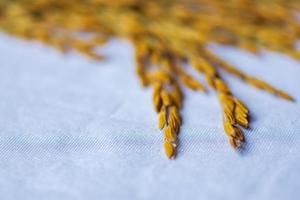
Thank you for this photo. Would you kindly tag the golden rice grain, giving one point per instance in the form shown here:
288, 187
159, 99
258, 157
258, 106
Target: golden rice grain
177, 96
162, 118
170, 134
242, 121
169, 150
157, 100
166, 98
160, 77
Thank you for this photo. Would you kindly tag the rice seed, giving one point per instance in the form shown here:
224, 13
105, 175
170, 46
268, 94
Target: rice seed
160, 77
241, 106
162, 118
170, 134
173, 114
169, 150
228, 116
176, 95
242, 121
235, 135
166, 98
157, 99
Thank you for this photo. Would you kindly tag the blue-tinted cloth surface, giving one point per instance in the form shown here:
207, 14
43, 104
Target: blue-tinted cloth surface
75, 129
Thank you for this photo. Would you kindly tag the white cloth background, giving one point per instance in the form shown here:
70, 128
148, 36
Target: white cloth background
75, 129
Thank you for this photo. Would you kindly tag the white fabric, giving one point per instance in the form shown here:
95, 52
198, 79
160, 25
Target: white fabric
76, 129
